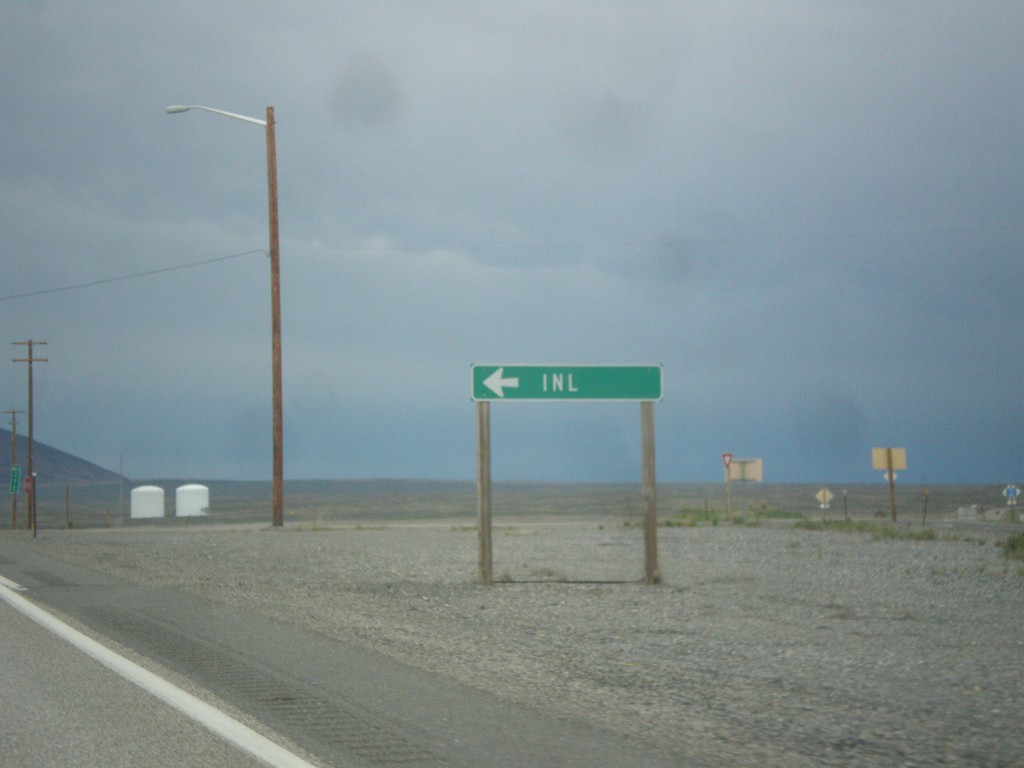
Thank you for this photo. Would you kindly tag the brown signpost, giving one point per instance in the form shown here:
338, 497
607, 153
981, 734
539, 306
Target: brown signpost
889, 459
651, 572
483, 491
739, 469
566, 382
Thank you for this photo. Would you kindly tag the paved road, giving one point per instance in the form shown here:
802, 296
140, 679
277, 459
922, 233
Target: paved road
58, 707
343, 704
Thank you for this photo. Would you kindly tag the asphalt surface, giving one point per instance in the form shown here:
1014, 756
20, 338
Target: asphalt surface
58, 707
343, 705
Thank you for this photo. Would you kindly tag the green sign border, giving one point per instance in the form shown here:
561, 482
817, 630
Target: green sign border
574, 383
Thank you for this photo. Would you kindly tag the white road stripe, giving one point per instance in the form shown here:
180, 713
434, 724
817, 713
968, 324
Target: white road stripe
210, 717
11, 584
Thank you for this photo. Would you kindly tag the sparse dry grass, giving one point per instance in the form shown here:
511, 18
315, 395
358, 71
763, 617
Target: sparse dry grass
877, 531
381, 501
1013, 547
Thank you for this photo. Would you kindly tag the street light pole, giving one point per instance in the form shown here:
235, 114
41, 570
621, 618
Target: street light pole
275, 297
275, 321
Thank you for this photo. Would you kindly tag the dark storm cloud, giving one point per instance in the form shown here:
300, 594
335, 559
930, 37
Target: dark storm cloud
830, 427
809, 213
368, 94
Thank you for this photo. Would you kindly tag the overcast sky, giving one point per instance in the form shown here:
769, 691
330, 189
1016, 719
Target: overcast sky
808, 212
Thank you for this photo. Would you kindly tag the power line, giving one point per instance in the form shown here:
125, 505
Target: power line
593, 248
132, 276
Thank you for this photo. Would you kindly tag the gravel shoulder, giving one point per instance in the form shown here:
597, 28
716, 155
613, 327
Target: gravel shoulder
766, 645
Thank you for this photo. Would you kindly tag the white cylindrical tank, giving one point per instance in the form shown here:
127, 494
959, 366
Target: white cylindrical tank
147, 501
191, 500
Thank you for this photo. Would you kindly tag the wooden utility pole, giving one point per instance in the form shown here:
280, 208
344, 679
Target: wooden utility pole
31, 479
277, 516
14, 461
277, 501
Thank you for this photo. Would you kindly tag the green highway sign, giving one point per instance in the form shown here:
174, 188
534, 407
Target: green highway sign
566, 382
15, 477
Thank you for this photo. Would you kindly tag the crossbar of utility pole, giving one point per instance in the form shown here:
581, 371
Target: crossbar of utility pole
30, 359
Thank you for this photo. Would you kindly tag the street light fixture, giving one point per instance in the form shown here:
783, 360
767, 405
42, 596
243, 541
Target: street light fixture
275, 294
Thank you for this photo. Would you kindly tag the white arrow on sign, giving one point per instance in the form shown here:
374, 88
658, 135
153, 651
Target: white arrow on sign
497, 384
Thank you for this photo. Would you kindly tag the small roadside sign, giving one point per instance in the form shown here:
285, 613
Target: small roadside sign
888, 458
15, 478
746, 469
1011, 493
726, 459
824, 497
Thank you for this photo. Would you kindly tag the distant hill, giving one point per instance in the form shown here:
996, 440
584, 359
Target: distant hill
52, 466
